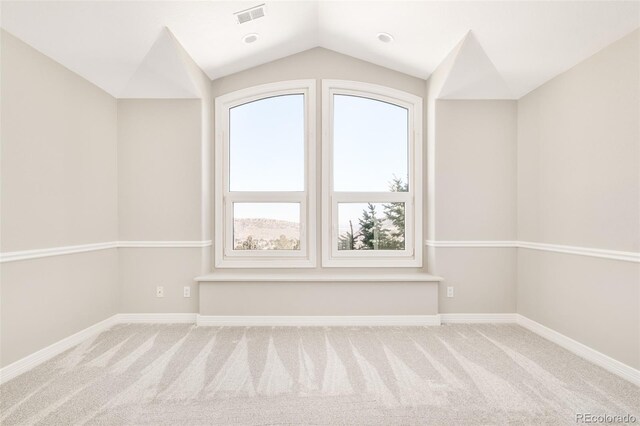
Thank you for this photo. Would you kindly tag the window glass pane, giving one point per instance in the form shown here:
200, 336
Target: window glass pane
266, 226
370, 145
266, 145
371, 226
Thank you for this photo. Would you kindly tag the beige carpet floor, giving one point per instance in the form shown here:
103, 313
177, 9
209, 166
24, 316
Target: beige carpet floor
187, 375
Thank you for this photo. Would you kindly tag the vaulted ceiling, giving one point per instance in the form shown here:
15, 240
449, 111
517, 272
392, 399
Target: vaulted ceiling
511, 46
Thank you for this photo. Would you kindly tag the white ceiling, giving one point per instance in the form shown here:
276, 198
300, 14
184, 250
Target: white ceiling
519, 44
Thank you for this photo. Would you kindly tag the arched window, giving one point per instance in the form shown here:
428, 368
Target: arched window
265, 176
265, 207
372, 176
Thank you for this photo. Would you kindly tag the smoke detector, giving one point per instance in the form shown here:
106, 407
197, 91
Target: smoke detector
250, 14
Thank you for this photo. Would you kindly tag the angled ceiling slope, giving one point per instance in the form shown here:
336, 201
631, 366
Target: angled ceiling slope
473, 75
163, 74
528, 42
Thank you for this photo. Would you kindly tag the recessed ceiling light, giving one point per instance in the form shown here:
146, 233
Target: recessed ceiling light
250, 38
385, 37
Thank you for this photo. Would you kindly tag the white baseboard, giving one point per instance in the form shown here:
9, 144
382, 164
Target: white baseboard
30, 361
318, 320
598, 358
159, 318
477, 318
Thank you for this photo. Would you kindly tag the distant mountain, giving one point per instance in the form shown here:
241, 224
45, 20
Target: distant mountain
265, 229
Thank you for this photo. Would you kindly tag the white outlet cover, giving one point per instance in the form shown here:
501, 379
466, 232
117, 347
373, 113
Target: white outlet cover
187, 291
159, 291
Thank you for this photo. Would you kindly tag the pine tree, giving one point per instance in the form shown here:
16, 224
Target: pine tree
347, 241
374, 233
395, 213
374, 236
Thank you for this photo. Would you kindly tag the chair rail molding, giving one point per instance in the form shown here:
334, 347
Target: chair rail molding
160, 244
627, 256
13, 256
472, 243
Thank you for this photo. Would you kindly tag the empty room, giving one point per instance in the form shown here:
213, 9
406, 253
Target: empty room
319, 212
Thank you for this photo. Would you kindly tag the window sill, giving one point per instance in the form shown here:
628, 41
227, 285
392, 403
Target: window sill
312, 277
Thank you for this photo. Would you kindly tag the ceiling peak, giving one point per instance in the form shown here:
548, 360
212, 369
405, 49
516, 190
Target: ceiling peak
162, 73
473, 75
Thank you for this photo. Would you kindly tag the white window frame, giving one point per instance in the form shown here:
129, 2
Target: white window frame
411, 256
225, 256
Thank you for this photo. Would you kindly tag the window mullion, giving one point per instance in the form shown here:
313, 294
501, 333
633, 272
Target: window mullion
259, 197
373, 197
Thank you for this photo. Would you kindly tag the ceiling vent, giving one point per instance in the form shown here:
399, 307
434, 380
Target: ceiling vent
250, 14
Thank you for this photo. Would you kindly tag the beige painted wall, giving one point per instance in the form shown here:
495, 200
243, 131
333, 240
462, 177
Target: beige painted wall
165, 194
475, 170
59, 188
58, 152
45, 300
433, 87
327, 298
158, 169
578, 150
160, 199
318, 63
203, 86
591, 300
484, 279
142, 269
471, 170
474, 188
579, 184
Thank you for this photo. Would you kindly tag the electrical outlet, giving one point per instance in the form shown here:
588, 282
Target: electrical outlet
159, 291
449, 291
187, 291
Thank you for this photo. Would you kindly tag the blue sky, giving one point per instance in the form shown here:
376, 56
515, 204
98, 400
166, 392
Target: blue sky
369, 144
267, 145
267, 150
